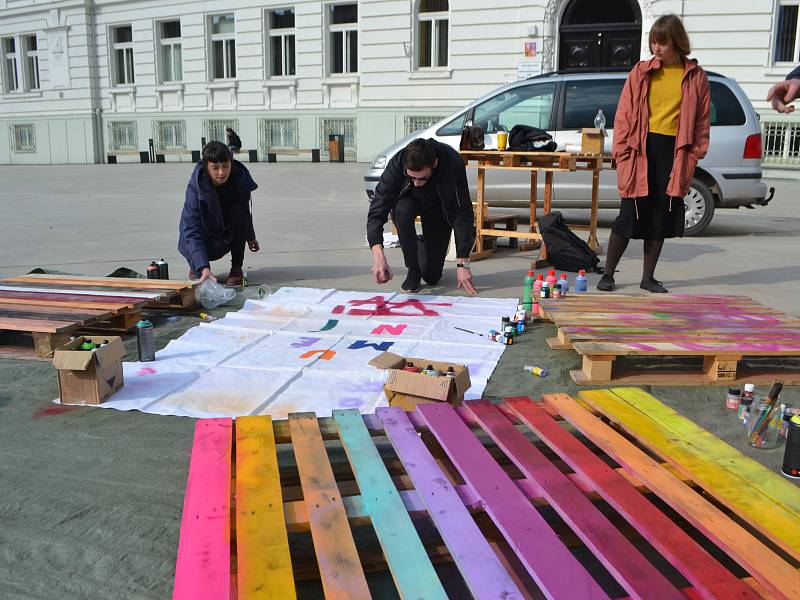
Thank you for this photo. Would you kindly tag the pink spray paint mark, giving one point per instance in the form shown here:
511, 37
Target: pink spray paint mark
146, 371
390, 329
383, 308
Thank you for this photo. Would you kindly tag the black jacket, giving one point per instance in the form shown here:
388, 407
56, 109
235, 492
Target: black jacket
201, 218
451, 188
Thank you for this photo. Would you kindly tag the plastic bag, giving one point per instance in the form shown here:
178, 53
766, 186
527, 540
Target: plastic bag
211, 294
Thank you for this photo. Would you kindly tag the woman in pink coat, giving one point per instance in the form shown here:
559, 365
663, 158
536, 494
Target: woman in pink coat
661, 130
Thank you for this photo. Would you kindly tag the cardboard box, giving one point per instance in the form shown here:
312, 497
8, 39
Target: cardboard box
406, 389
89, 377
592, 140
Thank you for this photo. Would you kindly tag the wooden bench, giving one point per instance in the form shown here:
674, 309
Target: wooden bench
272, 153
509, 221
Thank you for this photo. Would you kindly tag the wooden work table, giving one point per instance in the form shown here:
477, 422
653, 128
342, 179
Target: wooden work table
547, 162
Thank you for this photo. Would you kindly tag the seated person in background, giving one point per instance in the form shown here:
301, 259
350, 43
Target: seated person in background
426, 179
234, 141
216, 217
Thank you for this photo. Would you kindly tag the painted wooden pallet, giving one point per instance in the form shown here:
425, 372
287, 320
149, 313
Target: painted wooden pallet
726, 332
516, 502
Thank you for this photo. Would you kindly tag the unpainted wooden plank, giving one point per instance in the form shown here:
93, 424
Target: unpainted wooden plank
263, 563
203, 569
38, 325
104, 281
770, 569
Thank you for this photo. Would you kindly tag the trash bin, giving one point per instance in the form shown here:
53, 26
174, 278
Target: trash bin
336, 147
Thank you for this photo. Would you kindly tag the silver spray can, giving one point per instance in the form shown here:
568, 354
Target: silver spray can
163, 269
145, 341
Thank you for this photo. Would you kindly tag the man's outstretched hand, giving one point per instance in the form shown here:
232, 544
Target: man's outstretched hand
207, 274
782, 93
381, 272
253, 245
464, 277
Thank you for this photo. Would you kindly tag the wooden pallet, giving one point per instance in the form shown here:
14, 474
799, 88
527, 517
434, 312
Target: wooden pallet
520, 517
726, 332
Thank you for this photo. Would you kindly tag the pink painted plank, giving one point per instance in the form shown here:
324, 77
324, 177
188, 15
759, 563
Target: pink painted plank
639, 578
555, 570
709, 578
203, 570
479, 565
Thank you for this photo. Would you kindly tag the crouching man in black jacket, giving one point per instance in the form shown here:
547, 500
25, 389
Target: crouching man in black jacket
426, 179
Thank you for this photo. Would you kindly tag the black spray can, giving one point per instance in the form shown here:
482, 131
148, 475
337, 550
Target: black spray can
163, 269
145, 341
152, 271
791, 455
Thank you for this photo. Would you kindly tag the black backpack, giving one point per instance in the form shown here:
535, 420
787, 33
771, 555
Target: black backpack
526, 138
565, 250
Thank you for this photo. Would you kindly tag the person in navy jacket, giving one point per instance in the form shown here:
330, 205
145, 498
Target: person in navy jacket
217, 217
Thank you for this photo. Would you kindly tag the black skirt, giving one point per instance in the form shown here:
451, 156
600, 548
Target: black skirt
656, 216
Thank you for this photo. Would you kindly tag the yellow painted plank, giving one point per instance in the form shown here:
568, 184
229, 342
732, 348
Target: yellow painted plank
264, 567
722, 477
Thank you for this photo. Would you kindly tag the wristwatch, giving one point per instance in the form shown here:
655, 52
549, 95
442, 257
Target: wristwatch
462, 263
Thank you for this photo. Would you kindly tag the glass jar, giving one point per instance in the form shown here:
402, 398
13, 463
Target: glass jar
764, 425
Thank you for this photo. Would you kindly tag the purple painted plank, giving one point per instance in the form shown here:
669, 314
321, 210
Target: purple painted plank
549, 562
640, 578
482, 571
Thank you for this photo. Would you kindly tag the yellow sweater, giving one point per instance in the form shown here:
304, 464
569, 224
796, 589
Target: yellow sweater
664, 100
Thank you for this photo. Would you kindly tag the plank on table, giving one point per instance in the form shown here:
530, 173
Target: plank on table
203, 569
628, 566
762, 498
778, 348
480, 567
175, 284
337, 557
81, 291
767, 567
702, 570
71, 300
56, 310
38, 325
408, 561
81, 288
263, 564
553, 567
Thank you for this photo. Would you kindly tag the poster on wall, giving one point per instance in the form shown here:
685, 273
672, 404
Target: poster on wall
530, 49
529, 68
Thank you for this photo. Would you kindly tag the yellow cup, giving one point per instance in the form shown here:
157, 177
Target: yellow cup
502, 140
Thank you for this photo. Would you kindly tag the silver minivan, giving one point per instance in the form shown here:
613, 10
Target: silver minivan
563, 103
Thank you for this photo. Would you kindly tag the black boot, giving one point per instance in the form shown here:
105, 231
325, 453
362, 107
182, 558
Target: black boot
411, 284
606, 283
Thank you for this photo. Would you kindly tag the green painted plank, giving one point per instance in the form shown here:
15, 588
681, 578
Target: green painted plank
408, 562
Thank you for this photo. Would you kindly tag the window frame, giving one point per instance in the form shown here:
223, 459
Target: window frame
129, 68
774, 38
224, 38
171, 43
33, 82
284, 33
8, 57
17, 148
433, 18
345, 29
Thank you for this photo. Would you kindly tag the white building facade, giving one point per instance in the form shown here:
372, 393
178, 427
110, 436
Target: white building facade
85, 79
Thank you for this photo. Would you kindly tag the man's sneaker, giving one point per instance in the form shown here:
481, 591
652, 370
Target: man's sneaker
235, 277
606, 283
411, 284
653, 286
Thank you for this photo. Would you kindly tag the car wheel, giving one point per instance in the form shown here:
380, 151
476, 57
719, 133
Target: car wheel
699, 205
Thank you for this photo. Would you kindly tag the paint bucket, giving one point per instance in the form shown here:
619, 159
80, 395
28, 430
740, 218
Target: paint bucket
791, 455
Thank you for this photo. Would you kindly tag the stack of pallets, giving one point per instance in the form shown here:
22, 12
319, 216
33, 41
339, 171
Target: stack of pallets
736, 338
53, 307
519, 503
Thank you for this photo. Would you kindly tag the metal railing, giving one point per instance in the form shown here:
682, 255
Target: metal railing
123, 136
170, 136
342, 126
23, 137
781, 143
416, 122
278, 134
215, 129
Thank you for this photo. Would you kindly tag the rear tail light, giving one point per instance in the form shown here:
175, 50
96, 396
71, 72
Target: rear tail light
752, 147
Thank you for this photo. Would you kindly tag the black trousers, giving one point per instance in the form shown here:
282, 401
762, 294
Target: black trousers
425, 256
234, 237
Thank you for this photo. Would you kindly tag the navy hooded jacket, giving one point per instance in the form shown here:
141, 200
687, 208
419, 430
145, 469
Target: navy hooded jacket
201, 219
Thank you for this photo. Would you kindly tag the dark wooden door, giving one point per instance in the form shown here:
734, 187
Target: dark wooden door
599, 48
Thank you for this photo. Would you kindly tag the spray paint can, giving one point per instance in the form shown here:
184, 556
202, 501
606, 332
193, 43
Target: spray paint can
429, 370
152, 270
791, 455
163, 269
207, 317
244, 278
538, 371
581, 283
450, 372
88, 346
145, 342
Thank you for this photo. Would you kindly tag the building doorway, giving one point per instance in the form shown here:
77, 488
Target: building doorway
600, 34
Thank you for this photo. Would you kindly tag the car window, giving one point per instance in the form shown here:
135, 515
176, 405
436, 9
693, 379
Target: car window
584, 98
454, 127
526, 105
725, 106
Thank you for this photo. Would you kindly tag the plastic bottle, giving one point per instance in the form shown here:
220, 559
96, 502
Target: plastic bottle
564, 283
537, 285
545, 291
527, 290
145, 341
600, 120
581, 283
551, 278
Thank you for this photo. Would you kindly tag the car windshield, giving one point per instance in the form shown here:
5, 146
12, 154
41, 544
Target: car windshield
526, 105
584, 98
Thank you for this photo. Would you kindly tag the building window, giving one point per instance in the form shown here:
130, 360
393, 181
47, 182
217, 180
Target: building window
31, 62
170, 135
432, 33
281, 42
341, 126
277, 134
416, 122
343, 38
122, 136
215, 129
9, 47
24, 138
171, 54
223, 47
123, 55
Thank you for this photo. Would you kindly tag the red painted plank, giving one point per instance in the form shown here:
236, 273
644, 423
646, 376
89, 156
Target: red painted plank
702, 570
203, 570
550, 563
639, 578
